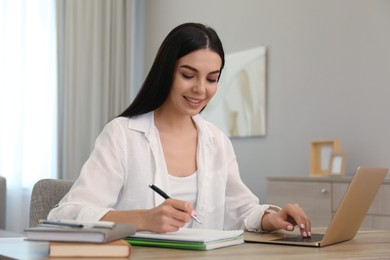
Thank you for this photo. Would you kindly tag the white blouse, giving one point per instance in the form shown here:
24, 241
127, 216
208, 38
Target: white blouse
128, 156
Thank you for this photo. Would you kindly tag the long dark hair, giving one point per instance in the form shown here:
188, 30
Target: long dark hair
182, 40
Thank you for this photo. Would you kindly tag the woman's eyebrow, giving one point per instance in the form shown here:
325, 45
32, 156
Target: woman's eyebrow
193, 69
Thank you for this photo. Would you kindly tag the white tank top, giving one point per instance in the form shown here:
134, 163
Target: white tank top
184, 188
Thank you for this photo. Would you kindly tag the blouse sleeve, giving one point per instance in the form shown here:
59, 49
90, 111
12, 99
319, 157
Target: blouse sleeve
243, 210
96, 190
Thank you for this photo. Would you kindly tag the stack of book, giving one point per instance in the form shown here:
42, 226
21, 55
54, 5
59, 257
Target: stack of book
75, 239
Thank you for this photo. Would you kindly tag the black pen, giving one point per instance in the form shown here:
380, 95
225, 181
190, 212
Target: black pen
165, 196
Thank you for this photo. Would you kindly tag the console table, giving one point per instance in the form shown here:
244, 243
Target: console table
320, 197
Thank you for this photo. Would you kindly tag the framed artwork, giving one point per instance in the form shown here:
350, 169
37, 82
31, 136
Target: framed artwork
323, 157
239, 105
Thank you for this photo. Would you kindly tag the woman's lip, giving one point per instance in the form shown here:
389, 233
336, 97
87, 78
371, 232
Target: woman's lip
194, 100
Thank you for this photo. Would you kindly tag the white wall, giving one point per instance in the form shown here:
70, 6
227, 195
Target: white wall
328, 75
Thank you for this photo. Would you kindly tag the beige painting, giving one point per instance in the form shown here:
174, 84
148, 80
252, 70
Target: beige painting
238, 107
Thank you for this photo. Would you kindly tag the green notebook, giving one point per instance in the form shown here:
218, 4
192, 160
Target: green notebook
187, 238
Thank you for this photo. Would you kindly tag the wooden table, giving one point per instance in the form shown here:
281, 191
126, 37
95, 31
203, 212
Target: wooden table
368, 244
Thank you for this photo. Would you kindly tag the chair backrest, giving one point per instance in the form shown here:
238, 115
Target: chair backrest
45, 195
3, 201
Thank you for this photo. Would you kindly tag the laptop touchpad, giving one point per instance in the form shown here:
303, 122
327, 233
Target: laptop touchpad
313, 238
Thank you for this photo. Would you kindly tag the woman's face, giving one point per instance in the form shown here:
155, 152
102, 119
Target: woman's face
195, 81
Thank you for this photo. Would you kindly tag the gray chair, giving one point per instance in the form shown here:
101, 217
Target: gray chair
45, 195
3, 201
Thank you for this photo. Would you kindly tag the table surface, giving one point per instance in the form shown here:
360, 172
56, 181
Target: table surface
368, 244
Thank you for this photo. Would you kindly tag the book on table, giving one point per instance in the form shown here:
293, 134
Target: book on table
188, 238
82, 233
116, 248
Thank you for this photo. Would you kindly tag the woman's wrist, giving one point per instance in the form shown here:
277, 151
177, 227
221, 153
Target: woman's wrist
141, 216
266, 224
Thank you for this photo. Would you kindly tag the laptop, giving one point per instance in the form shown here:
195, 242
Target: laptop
347, 219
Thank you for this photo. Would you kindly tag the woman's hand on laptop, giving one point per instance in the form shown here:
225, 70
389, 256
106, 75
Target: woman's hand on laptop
289, 216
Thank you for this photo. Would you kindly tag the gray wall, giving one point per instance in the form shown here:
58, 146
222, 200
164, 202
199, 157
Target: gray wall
328, 75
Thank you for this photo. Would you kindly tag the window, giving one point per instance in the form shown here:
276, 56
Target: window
28, 101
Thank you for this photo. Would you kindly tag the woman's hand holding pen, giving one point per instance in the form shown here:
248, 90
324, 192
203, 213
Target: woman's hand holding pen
288, 217
168, 216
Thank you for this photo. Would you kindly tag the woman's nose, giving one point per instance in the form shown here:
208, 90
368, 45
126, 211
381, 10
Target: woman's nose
199, 87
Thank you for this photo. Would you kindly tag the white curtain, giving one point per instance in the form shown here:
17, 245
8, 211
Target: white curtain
28, 101
94, 56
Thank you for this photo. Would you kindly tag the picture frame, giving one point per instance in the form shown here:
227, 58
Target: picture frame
321, 155
337, 164
238, 108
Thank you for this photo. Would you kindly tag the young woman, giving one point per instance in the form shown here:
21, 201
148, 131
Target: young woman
161, 139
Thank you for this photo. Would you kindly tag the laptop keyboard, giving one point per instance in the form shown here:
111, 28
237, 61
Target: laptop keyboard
313, 238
